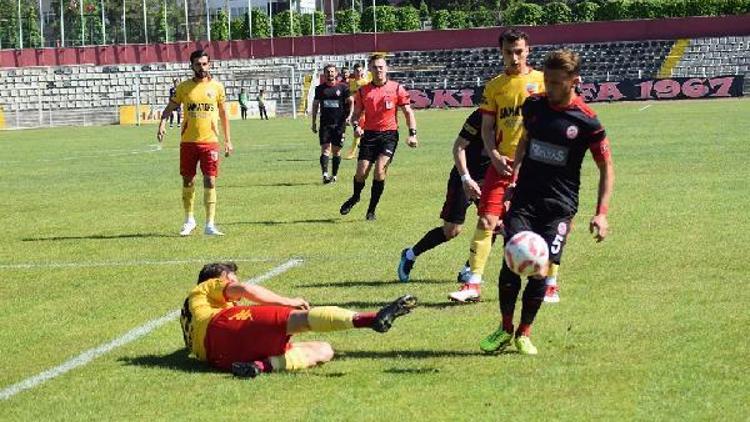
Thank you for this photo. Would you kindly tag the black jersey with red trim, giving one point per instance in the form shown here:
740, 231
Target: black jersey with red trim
333, 105
550, 174
477, 159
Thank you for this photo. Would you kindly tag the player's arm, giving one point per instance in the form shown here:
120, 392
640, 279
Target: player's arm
411, 123
471, 187
350, 105
490, 145
520, 154
357, 110
171, 106
599, 226
262, 296
228, 148
315, 108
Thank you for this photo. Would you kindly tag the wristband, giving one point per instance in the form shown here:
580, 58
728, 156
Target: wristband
466, 177
412, 132
602, 209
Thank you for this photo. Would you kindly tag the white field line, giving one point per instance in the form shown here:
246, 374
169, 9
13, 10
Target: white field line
134, 334
32, 265
645, 107
152, 148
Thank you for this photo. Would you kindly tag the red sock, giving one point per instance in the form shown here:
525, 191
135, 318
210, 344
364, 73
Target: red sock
508, 323
364, 319
264, 365
524, 330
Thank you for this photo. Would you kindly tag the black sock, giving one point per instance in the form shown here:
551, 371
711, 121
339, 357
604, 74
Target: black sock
358, 186
431, 239
533, 296
336, 162
508, 286
324, 163
375, 192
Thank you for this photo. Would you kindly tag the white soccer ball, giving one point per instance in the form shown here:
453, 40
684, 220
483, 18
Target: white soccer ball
526, 253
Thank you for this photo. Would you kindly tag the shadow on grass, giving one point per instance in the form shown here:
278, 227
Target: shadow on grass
99, 237
295, 160
364, 305
374, 283
405, 354
281, 223
411, 371
273, 185
177, 360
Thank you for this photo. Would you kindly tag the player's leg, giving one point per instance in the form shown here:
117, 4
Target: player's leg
188, 162
386, 149
453, 215
171, 119
325, 153
367, 156
336, 144
209, 159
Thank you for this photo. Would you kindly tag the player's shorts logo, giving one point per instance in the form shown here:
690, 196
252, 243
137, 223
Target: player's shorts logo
214, 155
562, 229
572, 132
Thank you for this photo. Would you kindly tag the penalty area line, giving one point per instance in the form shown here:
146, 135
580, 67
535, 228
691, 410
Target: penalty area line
132, 335
645, 107
26, 266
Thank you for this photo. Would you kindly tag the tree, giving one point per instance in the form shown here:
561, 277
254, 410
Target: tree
424, 11
483, 17
407, 19
613, 10
557, 12
286, 24
441, 19
347, 21
386, 19
458, 19
306, 22
585, 11
261, 25
523, 14
220, 26
32, 36
239, 28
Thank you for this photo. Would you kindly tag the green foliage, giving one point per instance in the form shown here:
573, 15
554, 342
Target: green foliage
734, 7
286, 24
239, 28
458, 19
483, 17
424, 11
613, 10
585, 11
644, 9
557, 12
347, 21
220, 26
386, 19
441, 19
407, 19
163, 26
261, 27
32, 36
523, 14
306, 23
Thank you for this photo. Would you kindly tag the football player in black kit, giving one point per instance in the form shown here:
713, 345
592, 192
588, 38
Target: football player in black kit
335, 104
471, 163
559, 128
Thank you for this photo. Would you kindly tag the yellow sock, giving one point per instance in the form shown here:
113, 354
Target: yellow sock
552, 269
481, 245
293, 360
188, 199
330, 318
209, 200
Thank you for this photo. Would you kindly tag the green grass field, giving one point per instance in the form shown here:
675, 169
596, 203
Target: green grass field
652, 324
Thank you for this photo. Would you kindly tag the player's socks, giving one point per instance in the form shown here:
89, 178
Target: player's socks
508, 286
551, 294
508, 323
430, 240
481, 245
324, 164
330, 318
188, 201
265, 365
209, 200
523, 330
533, 296
364, 319
335, 162
375, 192
358, 187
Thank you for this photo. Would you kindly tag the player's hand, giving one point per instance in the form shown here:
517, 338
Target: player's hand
471, 189
508, 195
160, 134
501, 164
599, 227
314, 128
228, 148
358, 130
412, 141
298, 303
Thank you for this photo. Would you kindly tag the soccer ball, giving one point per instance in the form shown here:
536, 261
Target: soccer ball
526, 253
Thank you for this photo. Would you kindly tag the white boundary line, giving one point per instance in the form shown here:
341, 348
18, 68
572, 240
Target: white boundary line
104, 154
26, 266
134, 334
643, 108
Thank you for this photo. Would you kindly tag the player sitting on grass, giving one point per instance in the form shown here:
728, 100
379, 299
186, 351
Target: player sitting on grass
253, 339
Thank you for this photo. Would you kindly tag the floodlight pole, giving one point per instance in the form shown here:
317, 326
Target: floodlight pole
104, 28
124, 28
20, 26
208, 22
187, 25
41, 23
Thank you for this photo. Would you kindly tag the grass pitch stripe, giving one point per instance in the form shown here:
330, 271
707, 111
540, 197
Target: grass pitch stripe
132, 335
124, 263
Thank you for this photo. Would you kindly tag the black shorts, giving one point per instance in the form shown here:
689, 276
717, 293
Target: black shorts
456, 203
374, 144
332, 134
553, 227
